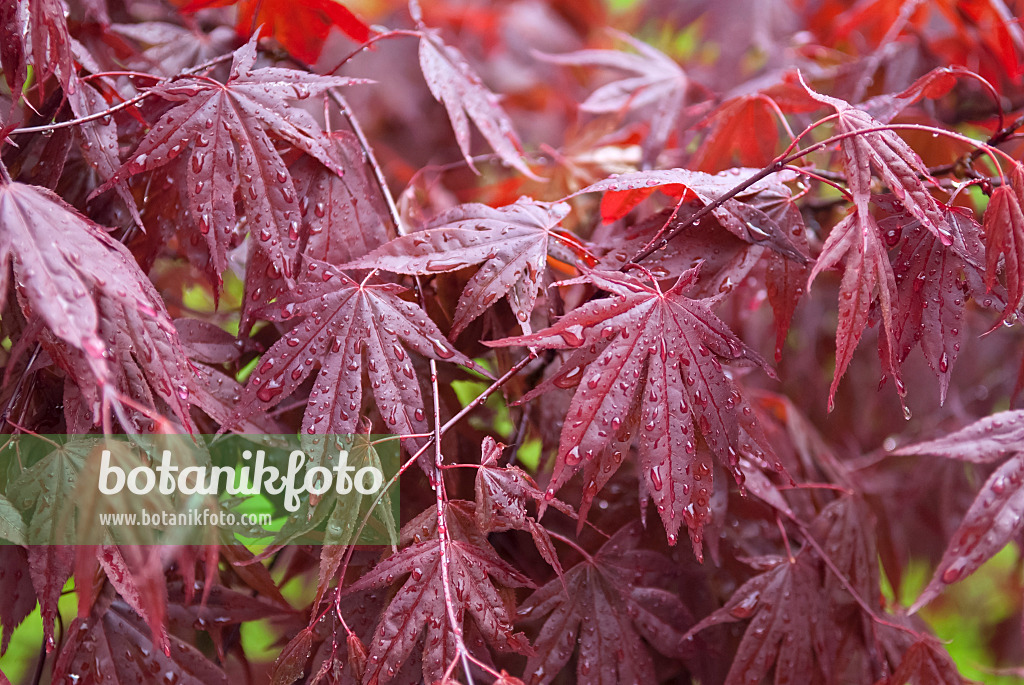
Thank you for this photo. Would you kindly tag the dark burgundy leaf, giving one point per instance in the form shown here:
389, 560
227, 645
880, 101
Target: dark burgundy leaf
1004, 237
606, 613
658, 354
933, 282
35, 33
222, 136
454, 84
19, 597
420, 603
99, 144
781, 604
345, 216
88, 290
867, 276
343, 321
111, 645
926, 661
511, 243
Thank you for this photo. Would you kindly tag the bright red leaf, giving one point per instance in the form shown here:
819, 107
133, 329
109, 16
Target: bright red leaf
301, 27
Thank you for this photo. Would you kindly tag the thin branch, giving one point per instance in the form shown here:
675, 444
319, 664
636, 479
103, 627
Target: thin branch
378, 174
113, 109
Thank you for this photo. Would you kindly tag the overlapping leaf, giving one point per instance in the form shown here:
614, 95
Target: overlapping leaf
656, 356
742, 219
870, 145
926, 661
111, 645
344, 216
867, 276
512, 243
454, 83
997, 514
607, 612
933, 282
19, 597
781, 604
1004, 237
223, 138
418, 612
40, 41
341, 323
88, 290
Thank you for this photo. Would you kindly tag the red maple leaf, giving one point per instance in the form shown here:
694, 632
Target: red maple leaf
418, 611
512, 243
605, 609
221, 139
300, 27
339, 322
655, 355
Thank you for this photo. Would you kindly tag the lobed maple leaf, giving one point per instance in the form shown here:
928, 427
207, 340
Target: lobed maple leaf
925, 661
867, 276
512, 243
656, 356
780, 604
418, 610
1004, 236
454, 83
111, 645
223, 138
87, 289
997, 514
301, 28
341, 322
99, 140
605, 609
344, 216
501, 497
19, 596
869, 145
36, 37
933, 282
657, 80
741, 218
